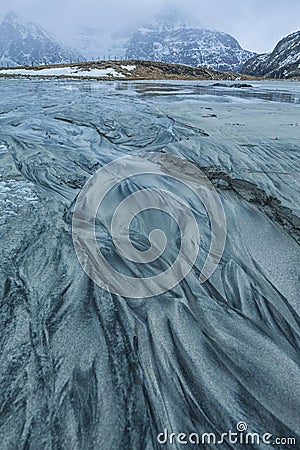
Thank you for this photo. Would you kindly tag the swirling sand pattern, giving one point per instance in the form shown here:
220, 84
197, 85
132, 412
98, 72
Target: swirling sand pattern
85, 369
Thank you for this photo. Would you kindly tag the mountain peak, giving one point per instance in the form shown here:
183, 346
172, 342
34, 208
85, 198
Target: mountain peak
169, 12
11, 17
23, 43
168, 19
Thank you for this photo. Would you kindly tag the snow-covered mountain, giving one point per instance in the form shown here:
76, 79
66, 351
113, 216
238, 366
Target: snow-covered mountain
282, 62
171, 38
28, 43
98, 43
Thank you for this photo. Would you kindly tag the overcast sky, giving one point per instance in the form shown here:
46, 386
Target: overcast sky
257, 24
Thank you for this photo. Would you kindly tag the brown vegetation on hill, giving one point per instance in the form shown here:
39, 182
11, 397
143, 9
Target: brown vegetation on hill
145, 70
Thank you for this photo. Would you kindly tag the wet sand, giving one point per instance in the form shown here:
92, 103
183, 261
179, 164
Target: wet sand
84, 369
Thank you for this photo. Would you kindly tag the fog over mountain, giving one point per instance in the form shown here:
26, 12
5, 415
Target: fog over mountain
257, 25
85, 369
30, 44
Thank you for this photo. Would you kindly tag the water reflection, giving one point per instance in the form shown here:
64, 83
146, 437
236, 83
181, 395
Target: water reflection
189, 90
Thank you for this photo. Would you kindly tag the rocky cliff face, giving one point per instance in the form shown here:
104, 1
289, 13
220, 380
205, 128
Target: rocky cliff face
169, 38
28, 43
282, 62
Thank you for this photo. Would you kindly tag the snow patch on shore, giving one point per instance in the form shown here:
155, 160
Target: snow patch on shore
66, 71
